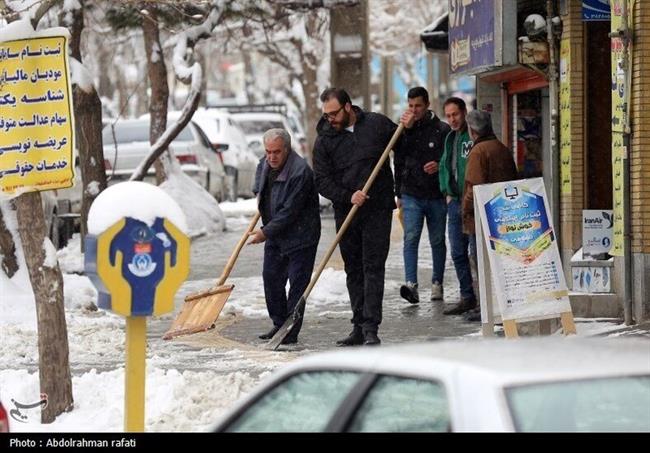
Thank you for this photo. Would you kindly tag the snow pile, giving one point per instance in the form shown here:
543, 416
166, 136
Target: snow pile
175, 401
71, 260
201, 209
17, 305
239, 208
138, 200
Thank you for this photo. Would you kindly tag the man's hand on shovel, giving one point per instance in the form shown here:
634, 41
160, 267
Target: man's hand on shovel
258, 237
359, 198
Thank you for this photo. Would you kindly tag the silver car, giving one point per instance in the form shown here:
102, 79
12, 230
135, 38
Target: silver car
126, 145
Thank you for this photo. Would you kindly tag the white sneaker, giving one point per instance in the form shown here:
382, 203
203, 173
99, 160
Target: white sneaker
436, 291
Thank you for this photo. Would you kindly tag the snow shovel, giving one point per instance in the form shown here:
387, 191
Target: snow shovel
201, 310
291, 321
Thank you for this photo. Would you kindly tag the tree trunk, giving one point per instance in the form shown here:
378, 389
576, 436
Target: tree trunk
158, 80
47, 284
88, 129
8, 260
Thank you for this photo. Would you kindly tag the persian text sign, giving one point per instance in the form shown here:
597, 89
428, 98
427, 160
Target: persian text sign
36, 123
522, 249
471, 35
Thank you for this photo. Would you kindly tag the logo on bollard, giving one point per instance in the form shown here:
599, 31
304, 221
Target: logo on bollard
138, 268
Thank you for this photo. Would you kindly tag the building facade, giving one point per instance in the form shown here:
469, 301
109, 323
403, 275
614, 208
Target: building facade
565, 82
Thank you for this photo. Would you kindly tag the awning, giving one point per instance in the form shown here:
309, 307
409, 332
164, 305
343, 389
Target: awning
436, 37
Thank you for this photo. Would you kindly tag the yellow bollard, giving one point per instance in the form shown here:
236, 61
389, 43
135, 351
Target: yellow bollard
134, 373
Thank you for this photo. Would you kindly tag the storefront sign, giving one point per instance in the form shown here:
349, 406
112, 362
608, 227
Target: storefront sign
36, 123
593, 10
521, 244
482, 35
597, 229
620, 110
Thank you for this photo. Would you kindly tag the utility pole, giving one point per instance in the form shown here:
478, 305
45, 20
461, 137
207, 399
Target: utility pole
387, 98
350, 68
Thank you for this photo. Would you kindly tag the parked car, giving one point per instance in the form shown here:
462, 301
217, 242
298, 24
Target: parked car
191, 148
227, 139
60, 221
4, 420
254, 124
535, 384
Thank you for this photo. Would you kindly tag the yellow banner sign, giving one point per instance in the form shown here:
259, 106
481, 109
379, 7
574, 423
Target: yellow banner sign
620, 111
36, 122
565, 116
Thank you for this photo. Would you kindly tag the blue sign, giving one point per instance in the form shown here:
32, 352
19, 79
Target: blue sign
137, 268
471, 35
593, 10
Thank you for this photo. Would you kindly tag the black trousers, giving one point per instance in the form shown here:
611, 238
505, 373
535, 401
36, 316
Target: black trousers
364, 248
296, 267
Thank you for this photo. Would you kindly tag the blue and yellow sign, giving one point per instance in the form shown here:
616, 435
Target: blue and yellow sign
36, 116
137, 268
518, 224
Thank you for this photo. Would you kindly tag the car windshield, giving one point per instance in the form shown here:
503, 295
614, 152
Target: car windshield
594, 405
259, 126
138, 132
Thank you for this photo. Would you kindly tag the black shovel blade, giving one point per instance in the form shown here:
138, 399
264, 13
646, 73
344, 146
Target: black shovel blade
284, 331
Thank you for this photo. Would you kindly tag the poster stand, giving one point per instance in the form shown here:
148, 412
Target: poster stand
492, 293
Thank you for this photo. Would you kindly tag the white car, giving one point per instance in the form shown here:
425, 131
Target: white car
532, 384
254, 124
227, 138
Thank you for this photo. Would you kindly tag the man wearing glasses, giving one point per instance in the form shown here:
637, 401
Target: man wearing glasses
349, 145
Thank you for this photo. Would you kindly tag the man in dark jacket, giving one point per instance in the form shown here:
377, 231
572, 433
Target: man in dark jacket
490, 161
349, 145
288, 203
418, 191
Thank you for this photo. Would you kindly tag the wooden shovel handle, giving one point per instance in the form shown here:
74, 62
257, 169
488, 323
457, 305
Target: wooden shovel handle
235, 253
353, 211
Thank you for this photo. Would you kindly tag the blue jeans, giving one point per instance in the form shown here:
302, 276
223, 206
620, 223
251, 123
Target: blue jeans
415, 210
460, 243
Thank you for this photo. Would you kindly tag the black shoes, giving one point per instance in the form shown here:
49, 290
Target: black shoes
290, 340
268, 335
409, 291
354, 339
371, 339
473, 315
462, 307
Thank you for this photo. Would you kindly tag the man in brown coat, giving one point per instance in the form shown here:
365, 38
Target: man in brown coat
489, 161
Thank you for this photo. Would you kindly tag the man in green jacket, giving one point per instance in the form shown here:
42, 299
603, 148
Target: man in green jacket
452, 181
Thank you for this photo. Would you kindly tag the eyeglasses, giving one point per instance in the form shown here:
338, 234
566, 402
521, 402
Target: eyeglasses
331, 115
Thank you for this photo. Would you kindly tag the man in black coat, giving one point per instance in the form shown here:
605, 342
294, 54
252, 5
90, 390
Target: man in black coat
349, 145
288, 204
418, 191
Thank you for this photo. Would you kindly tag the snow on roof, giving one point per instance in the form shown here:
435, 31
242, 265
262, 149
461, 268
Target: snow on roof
137, 200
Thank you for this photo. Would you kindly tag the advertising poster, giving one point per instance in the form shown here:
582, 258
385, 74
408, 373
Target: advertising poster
597, 227
36, 123
522, 249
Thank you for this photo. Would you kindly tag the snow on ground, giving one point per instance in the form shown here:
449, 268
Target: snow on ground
175, 401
